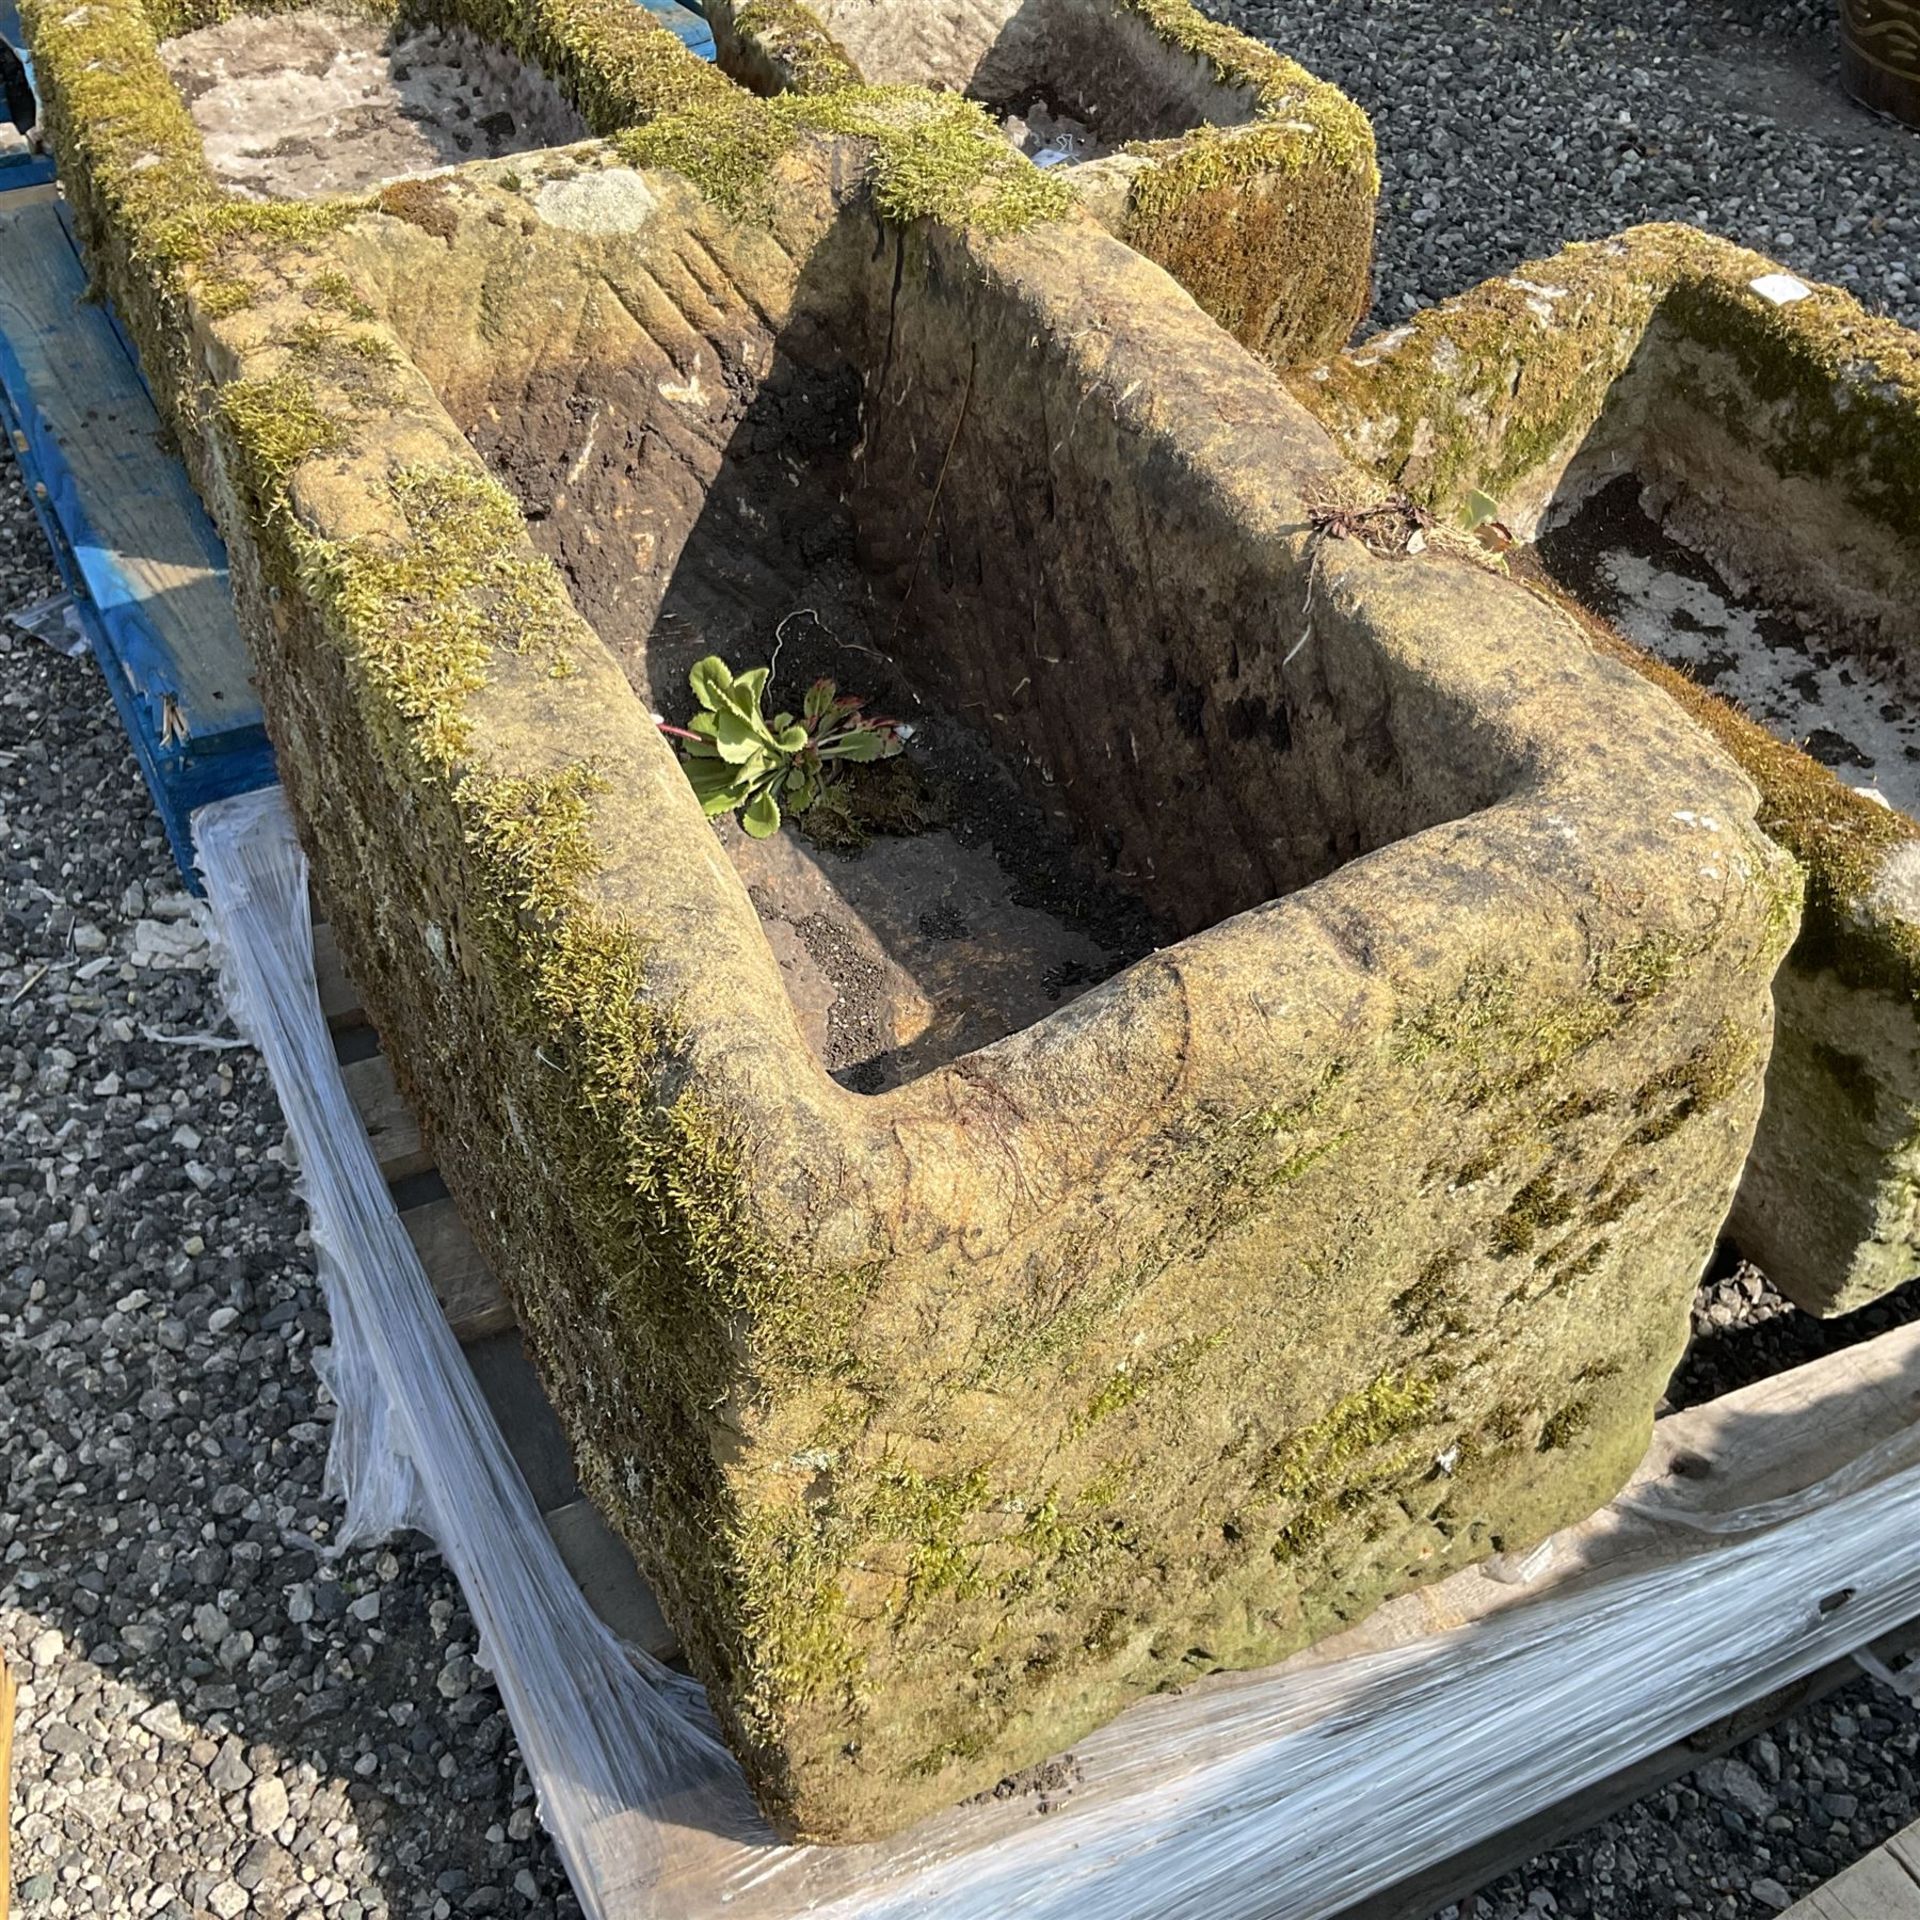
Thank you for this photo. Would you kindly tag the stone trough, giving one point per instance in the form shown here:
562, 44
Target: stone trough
1725, 461
1251, 181
1238, 1139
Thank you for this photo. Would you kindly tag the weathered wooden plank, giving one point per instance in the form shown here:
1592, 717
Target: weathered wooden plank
1905, 1848
392, 1130
603, 1570
339, 997
6, 1782
527, 1422
469, 1294
1876, 1888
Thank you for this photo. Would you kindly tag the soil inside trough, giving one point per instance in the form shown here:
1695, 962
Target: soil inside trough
296, 106
965, 916
1858, 716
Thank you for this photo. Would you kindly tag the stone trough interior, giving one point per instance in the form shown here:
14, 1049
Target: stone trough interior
1854, 709
1071, 80
1729, 557
294, 106
873, 493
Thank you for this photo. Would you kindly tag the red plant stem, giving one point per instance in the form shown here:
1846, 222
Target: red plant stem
679, 733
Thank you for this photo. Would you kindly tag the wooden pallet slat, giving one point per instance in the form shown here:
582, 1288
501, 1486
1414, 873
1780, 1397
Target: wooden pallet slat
391, 1127
469, 1295
1876, 1888
1905, 1848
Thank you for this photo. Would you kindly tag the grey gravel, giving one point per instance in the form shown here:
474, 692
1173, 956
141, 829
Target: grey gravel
1506, 131
1741, 1837
215, 1716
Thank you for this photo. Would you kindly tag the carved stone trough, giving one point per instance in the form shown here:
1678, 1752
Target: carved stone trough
1753, 445
1251, 181
1297, 1189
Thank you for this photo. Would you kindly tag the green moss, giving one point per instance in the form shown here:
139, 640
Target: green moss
934, 156
1563, 1428
1310, 1461
1280, 88
790, 1607
274, 425
173, 17
1568, 1266
360, 366
1067, 1548
1539, 1206
1616, 1198
931, 1514
1838, 389
221, 295
1433, 1305
1695, 1084
1133, 1378
787, 45
614, 61
331, 288
949, 1753
1268, 226
882, 797
427, 613
425, 204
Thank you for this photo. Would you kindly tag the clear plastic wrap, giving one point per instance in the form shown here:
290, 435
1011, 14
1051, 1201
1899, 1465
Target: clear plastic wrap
1279, 1796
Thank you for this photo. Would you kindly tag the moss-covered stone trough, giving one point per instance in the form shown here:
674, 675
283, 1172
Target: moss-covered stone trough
1773, 427
1344, 1236
1252, 182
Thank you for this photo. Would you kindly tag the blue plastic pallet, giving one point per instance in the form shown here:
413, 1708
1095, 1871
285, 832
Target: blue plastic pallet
132, 542
689, 24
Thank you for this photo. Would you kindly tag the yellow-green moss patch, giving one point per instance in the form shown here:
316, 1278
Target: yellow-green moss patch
935, 156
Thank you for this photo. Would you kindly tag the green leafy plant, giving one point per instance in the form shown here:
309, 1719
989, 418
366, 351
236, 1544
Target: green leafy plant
739, 761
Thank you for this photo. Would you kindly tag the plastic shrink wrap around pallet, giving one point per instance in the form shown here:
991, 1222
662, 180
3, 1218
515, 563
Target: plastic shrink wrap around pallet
1246, 1797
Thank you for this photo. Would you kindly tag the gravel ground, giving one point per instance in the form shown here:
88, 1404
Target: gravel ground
1506, 131
213, 1718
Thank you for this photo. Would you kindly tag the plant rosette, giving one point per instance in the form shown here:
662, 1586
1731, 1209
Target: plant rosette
739, 761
